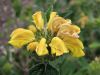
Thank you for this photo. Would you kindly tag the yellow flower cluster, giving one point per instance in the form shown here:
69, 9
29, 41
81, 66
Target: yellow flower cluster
65, 36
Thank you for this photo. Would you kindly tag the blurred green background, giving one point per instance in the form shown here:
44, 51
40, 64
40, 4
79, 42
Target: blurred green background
84, 13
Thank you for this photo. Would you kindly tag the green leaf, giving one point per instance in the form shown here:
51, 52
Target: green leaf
50, 9
94, 45
17, 6
43, 69
7, 67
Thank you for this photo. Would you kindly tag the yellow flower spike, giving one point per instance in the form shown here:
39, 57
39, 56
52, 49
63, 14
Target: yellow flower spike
38, 20
32, 46
20, 37
69, 30
57, 22
58, 47
52, 16
32, 28
41, 48
65, 38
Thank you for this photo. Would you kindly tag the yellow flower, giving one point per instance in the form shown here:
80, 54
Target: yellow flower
32, 28
52, 16
20, 37
69, 30
69, 34
41, 48
75, 46
32, 46
57, 22
58, 47
38, 20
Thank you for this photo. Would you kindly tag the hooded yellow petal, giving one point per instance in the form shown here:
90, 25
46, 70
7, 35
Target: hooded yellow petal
38, 20
58, 47
32, 28
57, 22
41, 48
20, 37
69, 30
52, 16
74, 45
16, 31
32, 46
